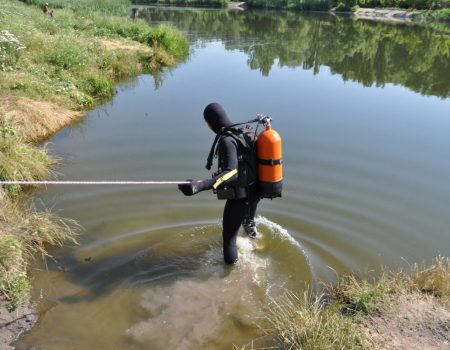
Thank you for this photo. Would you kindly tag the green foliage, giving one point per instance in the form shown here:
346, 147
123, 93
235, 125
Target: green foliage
99, 87
442, 15
10, 252
13, 281
68, 54
17, 290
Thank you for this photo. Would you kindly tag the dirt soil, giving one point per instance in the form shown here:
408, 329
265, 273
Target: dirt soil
410, 322
13, 324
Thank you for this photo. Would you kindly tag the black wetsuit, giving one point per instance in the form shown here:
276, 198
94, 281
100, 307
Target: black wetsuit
244, 205
242, 197
237, 209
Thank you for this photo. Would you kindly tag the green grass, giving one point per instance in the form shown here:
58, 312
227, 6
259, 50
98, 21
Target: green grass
107, 7
21, 161
25, 232
62, 60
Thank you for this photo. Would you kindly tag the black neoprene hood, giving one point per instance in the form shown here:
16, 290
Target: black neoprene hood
216, 116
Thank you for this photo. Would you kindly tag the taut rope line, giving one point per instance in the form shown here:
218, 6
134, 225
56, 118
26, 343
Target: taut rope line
93, 182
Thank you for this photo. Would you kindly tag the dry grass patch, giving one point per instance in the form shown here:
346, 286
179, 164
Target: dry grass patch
434, 279
306, 322
34, 120
111, 45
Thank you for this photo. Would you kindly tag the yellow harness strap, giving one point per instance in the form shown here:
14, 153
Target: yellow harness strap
224, 178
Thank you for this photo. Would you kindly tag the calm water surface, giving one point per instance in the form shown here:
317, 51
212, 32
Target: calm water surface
364, 112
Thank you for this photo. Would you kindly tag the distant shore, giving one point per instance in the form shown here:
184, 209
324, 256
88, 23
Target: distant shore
388, 15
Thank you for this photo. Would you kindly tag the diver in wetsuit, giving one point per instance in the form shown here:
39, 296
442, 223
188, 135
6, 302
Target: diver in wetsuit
242, 199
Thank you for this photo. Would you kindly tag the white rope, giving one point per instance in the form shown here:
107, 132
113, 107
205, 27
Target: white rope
93, 182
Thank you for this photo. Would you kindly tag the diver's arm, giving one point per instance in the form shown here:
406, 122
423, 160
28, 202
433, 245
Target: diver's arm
228, 170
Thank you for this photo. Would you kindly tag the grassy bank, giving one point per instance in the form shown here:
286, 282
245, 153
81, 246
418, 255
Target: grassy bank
346, 315
51, 68
66, 59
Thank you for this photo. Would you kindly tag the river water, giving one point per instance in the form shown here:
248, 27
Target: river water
364, 112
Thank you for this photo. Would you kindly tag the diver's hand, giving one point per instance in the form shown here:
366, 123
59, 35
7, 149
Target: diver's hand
195, 186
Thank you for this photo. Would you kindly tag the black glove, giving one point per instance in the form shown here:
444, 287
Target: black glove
195, 186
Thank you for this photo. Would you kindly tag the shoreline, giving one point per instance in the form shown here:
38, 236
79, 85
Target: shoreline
386, 15
72, 62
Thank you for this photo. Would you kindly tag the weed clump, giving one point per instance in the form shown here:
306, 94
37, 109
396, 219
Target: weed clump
304, 322
24, 232
20, 161
433, 279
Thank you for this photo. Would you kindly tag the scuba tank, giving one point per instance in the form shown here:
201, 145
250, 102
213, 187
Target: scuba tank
270, 168
263, 155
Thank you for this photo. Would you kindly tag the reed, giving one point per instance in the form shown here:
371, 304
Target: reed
24, 232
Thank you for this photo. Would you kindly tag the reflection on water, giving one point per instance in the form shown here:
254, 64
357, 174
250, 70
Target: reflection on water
366, 180
367, 52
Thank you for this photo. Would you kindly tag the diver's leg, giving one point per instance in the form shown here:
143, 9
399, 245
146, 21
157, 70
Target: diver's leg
251, 205
233, 215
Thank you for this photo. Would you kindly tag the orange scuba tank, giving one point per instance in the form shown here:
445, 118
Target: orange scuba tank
270, 168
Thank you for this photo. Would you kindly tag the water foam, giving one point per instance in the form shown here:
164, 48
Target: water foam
280, 232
